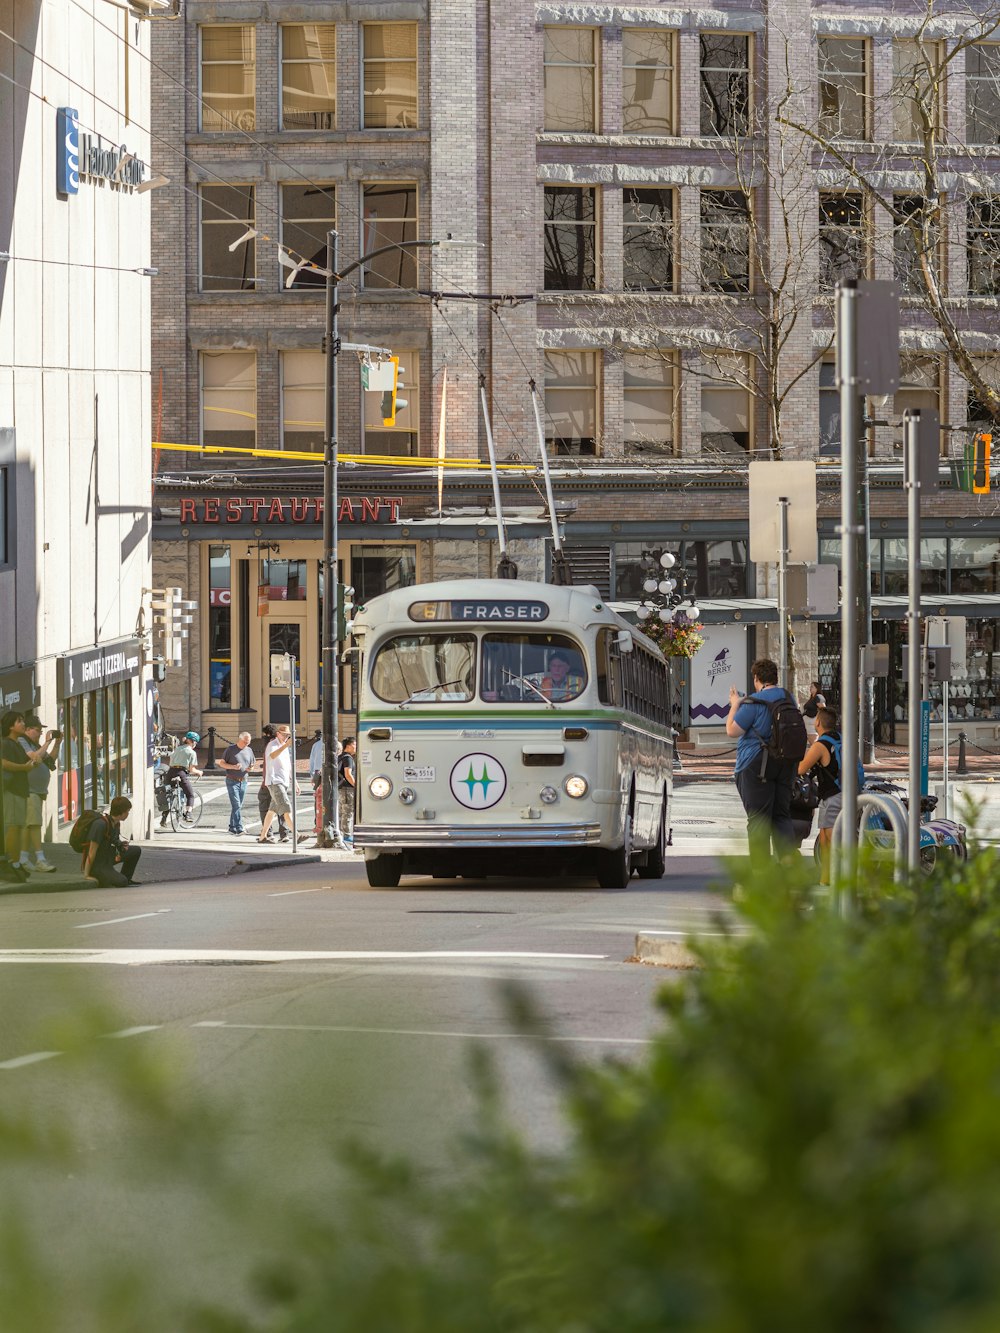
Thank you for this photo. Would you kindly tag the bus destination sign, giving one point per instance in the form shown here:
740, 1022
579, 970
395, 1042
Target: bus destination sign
481, 612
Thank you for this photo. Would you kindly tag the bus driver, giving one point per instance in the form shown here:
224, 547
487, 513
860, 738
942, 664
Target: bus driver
561, 681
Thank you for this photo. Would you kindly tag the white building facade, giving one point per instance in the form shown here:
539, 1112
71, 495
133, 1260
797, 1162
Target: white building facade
75, 476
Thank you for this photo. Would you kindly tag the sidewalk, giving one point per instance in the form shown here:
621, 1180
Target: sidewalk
891, 761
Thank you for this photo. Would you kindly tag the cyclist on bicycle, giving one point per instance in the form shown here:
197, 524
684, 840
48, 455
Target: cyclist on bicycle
184, 765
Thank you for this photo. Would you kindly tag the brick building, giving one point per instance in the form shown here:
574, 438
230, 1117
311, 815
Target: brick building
663, 198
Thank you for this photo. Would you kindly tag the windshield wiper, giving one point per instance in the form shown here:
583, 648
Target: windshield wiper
512, 675
440, 685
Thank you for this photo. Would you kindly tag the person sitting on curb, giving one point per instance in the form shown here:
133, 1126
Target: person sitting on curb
105, 850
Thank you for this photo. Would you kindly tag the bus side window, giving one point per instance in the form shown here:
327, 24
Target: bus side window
609, 668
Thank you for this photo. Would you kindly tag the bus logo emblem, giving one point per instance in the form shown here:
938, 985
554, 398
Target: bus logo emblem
478, 781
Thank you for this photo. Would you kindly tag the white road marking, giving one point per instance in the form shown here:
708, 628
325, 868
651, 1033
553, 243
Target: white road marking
116, 921
134, 1032
19, 1061
290, 893
417, 1032
139, 957
696, 934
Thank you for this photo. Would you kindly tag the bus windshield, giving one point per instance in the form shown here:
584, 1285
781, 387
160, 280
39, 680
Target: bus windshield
425, 668
532, 668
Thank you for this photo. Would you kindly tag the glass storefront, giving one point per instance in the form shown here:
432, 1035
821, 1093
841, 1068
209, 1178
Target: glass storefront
96, 756
220, 627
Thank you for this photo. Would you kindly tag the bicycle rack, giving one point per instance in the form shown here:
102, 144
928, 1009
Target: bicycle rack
897, 816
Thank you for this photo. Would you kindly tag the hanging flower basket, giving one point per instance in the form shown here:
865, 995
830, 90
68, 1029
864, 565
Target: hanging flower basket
674, 640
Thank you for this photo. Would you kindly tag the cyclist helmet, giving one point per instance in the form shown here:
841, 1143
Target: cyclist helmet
192, 736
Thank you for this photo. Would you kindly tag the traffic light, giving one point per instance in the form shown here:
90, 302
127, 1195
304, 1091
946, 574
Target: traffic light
345, 610
981, 463
172, 615
391, 403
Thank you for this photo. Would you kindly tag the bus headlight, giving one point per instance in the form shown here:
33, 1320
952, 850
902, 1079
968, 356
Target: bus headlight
407, 795
549, 795
380, 788
576, 786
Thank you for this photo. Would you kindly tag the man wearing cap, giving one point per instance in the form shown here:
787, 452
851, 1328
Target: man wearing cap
561, 682
184, 763
43, 753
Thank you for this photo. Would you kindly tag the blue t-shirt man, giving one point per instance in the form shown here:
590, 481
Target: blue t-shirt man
754, 719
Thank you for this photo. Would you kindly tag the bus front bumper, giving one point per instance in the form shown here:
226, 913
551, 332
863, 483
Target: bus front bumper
500, 835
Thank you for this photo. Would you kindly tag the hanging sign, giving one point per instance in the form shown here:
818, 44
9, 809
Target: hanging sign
719, 664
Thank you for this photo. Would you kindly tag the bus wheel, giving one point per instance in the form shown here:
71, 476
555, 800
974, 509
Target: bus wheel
614, 867
384, 870
655, 861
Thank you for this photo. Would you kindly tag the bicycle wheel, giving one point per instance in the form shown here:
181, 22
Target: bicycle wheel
195, 812
176, 807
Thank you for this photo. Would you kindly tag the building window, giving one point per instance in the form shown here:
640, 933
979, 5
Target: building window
648, 239
915, 67
648, 81
570, 238
650, 402
376, 570
979, 416
390, 76
229, 399
227, 211
842, 248
303, 401
919, 387
915, 239
308, 76
984, 245
725, 84
220, 627
725, 404
390, 219
571, 403
725, 241
829, 409
843, 87
402, 438
308, 212
570, 80
95, 758
982, 82
228, 67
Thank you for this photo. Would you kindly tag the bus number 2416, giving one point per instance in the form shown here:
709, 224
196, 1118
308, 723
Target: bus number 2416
400, 756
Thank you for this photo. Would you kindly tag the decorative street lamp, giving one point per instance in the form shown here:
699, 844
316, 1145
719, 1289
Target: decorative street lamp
330, 702
665, 596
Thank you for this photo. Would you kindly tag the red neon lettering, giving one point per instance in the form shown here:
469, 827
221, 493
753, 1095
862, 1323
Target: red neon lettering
300, 508
369, 510
189, 513
394, 508
255, 507
346, 510
319, 510
276, 514
210, 510
234, 510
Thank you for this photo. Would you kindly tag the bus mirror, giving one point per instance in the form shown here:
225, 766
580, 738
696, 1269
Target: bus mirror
625, 641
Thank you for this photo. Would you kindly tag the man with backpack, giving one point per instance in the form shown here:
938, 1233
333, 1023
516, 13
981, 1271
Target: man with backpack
347, 782
102, 846
824, 757
772, 742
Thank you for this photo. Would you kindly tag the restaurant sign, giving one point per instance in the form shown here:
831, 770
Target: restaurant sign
258, 509
80, 673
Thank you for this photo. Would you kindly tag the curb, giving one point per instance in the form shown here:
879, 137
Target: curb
665, 951
238, 867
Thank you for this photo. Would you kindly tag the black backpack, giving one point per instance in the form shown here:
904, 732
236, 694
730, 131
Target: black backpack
788, 740
79, 834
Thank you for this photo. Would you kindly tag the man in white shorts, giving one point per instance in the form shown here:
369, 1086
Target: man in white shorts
280, 783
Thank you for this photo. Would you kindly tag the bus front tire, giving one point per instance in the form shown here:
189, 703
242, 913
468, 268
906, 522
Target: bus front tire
614, 866
384, 870
655, 861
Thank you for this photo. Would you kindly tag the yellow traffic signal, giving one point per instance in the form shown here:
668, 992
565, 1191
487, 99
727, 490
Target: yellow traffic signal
981, 463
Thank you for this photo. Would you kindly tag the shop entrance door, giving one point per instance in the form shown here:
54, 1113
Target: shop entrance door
286, 635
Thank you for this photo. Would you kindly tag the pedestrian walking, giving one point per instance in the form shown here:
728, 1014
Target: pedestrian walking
823, 758
106, 858
316, 778
347, 782
15, 767
183, 766
280, 783
268, 734
772, 740
237, 761
44, 754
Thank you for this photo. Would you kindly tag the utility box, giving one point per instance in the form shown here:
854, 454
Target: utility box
948, 631
875, 660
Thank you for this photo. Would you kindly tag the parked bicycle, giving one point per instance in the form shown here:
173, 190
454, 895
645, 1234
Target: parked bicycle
172, 803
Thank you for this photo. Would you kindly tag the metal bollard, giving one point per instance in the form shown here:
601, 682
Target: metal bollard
210, 763
963, 766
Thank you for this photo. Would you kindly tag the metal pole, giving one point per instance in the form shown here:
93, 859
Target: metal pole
330, 720
783, 592
945, 738
911, 430
867, 713
291, 665
847, 383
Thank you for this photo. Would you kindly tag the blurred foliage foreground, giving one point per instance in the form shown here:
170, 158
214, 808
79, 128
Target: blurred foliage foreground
811, 1144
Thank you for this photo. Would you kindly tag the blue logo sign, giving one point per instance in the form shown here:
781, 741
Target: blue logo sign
478, 781
67, 152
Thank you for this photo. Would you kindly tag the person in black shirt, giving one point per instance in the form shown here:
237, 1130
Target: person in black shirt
105, 850
15, 766
347, 781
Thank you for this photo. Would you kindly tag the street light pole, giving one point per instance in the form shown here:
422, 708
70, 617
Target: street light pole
330, 836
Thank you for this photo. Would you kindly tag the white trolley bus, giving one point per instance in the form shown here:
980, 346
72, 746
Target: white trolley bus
508, 727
